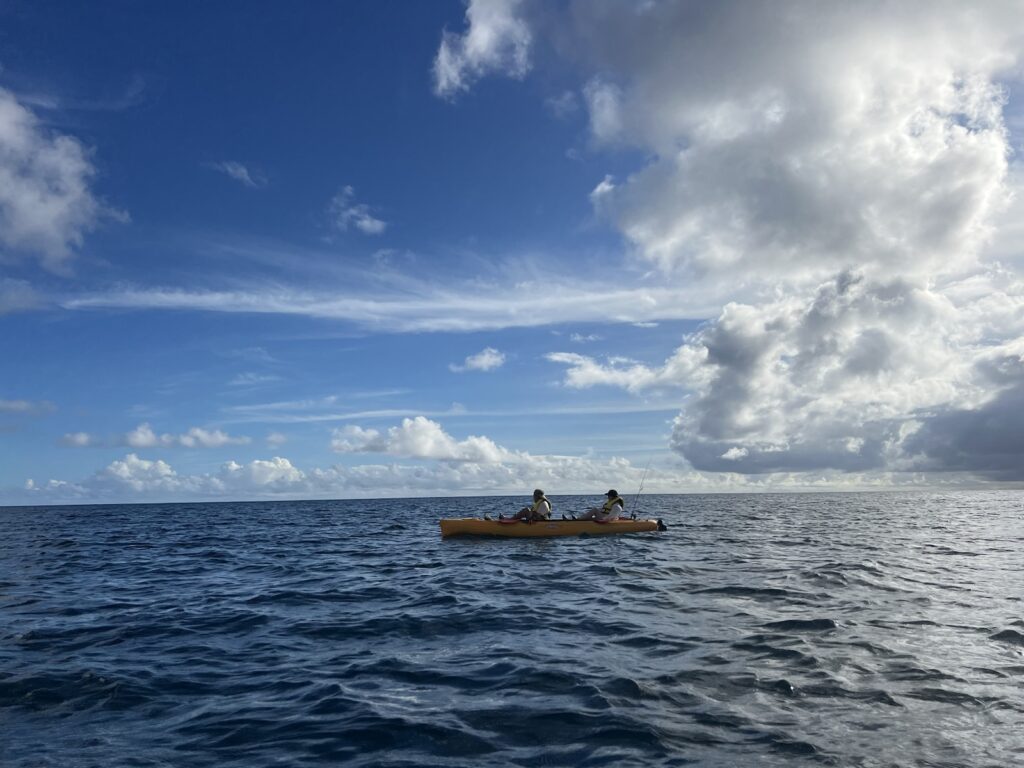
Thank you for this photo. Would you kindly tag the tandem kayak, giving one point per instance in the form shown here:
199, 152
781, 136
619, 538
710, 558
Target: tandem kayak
472, 526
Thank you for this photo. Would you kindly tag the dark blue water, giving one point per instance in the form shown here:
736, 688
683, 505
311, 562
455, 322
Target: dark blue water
857, 629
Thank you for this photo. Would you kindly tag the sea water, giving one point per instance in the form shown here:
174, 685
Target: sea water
882, 629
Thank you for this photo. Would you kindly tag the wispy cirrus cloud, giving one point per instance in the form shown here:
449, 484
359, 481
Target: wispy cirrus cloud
128, 96
327, 410
345, 212
18, 296
26, 407
429, 307
251, 379
243, 174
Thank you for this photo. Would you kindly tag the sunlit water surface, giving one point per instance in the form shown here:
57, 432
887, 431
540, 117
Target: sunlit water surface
854, 629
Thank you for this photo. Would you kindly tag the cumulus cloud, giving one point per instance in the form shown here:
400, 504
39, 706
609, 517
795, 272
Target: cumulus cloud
241, 173
851, 162
795, 138
801, 137
277, 473
46, 201
345, 212
132, 478
453, 467
77, 439
857, 375
497, 40
421, 438
143, 436
487, 359
140, 474
985, 437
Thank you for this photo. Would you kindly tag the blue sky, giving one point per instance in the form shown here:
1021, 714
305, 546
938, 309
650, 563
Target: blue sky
383, 248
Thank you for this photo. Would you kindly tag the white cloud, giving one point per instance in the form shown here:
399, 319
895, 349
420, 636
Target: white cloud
239, 172
345, 213
267, 475
604, 102
735, 453
143, 436
563, 106
801, 139
276, 440
487, 359
46, 201
474, 465
141, 474
202, 438
793, 142
28, 407
857, 375
250, 379
580, 338
17, 296
432, 307
854, 162
253, 355
497, 41
77, 439
584, 372
135, 479
421, 438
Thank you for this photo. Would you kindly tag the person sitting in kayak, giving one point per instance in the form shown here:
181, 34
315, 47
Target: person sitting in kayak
610, 510
539, 510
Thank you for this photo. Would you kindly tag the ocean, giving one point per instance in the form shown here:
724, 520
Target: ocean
861, 629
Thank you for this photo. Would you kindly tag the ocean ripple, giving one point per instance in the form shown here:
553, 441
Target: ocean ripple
776, 630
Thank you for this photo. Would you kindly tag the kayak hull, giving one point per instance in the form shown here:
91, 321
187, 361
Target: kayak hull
471, 526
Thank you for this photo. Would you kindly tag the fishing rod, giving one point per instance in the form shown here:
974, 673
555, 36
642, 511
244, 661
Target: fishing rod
640, 489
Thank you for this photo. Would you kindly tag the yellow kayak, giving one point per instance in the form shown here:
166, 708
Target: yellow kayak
471, 526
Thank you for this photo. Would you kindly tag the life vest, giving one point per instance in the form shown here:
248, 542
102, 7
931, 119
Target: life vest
537, 504
612, 502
